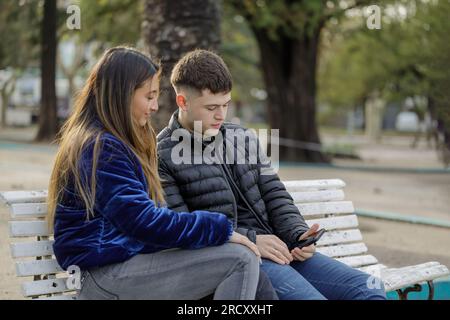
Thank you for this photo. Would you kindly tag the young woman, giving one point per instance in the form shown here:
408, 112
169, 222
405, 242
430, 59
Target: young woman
105, 201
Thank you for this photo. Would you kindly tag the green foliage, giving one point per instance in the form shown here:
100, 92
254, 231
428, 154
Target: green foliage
292, 19
407, 57
20, 30
112, 22
433, 50
108, 22
240, 52
288, 18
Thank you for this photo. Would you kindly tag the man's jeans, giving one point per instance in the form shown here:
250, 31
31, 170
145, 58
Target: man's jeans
321, 277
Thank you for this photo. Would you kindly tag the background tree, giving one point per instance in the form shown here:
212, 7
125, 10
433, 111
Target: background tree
288, 35
19, 48
408, 57
104, 24
240, 52
111, 23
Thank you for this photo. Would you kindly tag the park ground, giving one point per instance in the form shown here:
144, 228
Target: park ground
24, 165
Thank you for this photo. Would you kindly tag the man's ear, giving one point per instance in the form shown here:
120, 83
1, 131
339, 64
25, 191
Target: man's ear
181, 102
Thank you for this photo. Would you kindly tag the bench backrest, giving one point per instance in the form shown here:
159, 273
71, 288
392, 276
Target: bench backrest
319, 201
32, 246
323, 202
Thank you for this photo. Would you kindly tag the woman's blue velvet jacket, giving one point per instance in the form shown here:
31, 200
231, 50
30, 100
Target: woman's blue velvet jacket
126, 221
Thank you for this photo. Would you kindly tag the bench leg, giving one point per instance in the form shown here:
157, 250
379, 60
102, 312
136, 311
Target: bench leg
403, 294
431, 289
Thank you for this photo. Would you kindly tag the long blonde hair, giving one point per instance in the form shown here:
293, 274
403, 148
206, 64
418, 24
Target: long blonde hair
105, 98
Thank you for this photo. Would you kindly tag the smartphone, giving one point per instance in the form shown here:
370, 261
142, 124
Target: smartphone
311, 239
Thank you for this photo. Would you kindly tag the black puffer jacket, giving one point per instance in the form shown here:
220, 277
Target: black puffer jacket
202, 186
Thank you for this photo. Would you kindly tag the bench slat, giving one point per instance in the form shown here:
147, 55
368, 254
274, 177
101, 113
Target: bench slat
28, 210
37, 267
358, 261
39, 210
41, 287
340, 236
28, 228
417, 266
317, 196
60, 297
11, 197
308, 185
374, 269
31, 249
343, 250
318, 208
333, 223
394, 279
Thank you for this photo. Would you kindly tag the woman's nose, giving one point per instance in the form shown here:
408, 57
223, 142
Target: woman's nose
154, 107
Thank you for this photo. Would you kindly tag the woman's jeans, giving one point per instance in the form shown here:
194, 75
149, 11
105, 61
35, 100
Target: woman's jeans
321, 277
229, 271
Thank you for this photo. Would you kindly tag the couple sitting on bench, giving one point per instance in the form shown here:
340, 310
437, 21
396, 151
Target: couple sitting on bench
143, 218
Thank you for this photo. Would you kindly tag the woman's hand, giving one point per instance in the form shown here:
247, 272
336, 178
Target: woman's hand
239, 238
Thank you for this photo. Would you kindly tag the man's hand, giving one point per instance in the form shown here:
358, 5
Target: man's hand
273, 248
305, 252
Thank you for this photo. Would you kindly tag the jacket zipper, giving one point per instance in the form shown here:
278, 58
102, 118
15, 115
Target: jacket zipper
234, 200
235, 214
262, 223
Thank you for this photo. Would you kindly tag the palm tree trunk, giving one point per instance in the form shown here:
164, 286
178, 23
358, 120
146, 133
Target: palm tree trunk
171, 28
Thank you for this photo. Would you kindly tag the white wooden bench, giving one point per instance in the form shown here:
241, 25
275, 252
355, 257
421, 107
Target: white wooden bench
320, 201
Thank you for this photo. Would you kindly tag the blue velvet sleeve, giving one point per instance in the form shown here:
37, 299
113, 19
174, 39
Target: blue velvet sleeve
122, 198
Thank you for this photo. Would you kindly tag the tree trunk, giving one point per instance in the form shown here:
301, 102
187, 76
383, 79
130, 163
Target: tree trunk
170, 29
6, 92
48, 121
4, 106
289, 69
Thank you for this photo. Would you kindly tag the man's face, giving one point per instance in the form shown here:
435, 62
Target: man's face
209, 108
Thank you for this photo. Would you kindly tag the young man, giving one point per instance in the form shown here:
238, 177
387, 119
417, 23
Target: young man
198, 174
